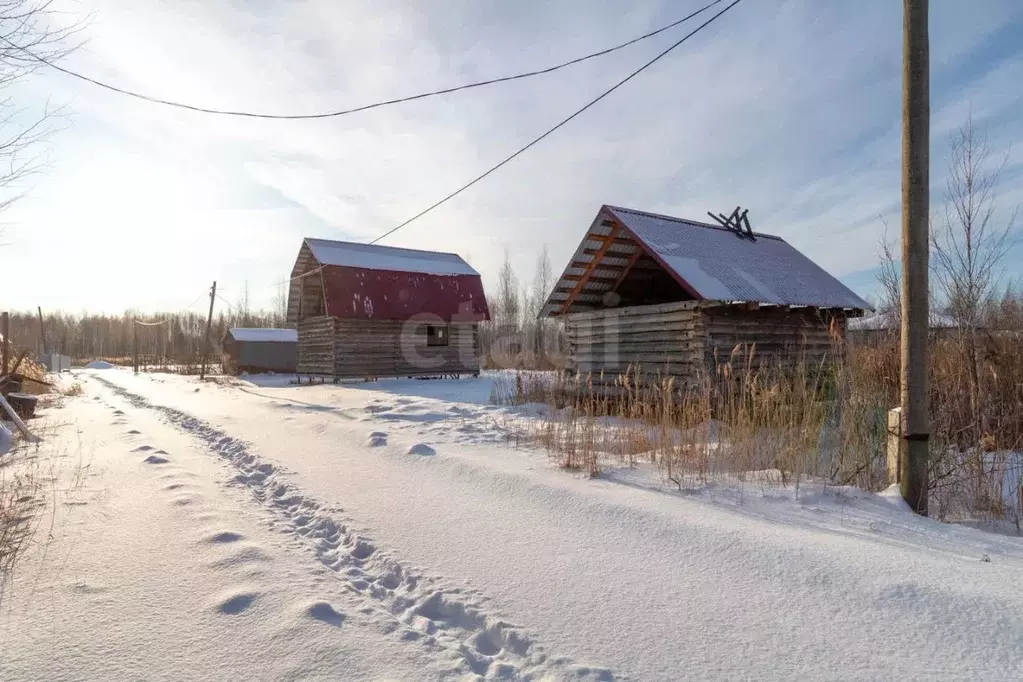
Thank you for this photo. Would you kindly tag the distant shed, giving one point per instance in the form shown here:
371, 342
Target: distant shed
675, 296
260, 350
377, 311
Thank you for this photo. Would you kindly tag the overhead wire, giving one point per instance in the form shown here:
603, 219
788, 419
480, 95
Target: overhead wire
365, 107
550, 131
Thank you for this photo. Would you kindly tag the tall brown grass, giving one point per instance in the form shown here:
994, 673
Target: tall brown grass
791, 421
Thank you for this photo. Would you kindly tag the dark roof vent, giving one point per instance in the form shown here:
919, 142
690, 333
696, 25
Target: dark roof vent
737, 222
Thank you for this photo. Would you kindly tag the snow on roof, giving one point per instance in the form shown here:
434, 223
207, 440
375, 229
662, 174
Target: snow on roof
375, 257
267, 335
890, 320
723, 266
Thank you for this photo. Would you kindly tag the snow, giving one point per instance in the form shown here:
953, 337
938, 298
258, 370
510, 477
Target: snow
890, 321
375, 257
263, 334
293, 533
99, 364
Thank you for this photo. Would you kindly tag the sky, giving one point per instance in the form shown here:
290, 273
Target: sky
789, 108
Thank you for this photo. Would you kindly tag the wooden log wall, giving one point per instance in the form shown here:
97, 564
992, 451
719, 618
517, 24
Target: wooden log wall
383, 348
686, 339
774, 335
665, 339
316, 345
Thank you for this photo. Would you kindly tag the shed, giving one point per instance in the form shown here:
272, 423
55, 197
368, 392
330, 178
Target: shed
259, 350
677, 296
886, 327
373, 311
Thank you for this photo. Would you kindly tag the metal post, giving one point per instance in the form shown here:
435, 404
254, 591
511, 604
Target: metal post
915, 245
206, 339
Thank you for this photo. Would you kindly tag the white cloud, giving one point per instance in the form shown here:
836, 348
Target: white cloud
789, 108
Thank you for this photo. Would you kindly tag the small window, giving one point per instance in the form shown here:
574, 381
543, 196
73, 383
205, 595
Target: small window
436, 335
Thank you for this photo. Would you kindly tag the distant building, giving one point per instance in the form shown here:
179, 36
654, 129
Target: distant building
675, 296
377, 311
259, 351
883, 326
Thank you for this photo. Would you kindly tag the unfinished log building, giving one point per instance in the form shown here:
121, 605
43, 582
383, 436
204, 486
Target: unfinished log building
366, 311
670, 296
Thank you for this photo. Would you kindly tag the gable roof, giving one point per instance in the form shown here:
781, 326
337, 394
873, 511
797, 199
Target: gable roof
376, 257
366, 281
710, 262
253, 334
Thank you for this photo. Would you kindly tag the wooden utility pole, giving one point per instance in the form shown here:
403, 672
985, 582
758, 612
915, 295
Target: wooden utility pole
42, 332
5, 342
134, 345
916, 113
206, 338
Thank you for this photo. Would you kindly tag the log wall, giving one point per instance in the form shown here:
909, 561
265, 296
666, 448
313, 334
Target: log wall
664, 338
771, 335
383, 348
688, 338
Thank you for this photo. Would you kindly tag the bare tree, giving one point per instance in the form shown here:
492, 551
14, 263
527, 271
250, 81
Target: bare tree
971, 244
889, 276
280, 308
508, 304
538, 296
32, 32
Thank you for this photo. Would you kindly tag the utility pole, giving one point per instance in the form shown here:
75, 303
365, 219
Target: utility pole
916, 114
42, 332
206, 339
135, 345
5, 342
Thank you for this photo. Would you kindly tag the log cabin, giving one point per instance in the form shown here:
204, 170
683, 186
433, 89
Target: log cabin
671, 296
368, 311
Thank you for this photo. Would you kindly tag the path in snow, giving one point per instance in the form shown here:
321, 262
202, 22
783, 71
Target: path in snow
450, 619
655, 585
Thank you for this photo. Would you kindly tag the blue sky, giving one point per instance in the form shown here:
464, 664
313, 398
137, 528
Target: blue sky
790, 108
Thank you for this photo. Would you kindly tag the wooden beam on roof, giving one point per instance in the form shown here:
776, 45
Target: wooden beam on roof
592, 266
628, 267
606, 237
613, 254
576, 278
585, 264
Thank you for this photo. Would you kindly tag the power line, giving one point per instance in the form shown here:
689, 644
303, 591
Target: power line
365, 107
592, 102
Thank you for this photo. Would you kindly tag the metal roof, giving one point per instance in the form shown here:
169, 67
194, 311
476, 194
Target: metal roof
710, 262
253, 334
375, 257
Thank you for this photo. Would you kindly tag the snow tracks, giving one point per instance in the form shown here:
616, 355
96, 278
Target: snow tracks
421, 610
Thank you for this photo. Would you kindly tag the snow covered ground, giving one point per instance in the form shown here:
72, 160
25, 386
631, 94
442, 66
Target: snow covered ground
395, 530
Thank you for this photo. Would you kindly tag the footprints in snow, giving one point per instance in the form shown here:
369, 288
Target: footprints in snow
378, 439
411, 606
422, 449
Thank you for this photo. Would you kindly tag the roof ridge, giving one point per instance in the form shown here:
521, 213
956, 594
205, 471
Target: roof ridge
384, 246
687, 220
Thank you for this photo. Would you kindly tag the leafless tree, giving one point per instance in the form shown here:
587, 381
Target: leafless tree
971, 244
32, 32
280, 309
889, 276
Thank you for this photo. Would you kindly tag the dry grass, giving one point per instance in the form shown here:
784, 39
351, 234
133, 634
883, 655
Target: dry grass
800, 421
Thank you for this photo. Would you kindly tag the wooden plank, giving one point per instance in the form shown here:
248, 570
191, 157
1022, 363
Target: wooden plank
589, 271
